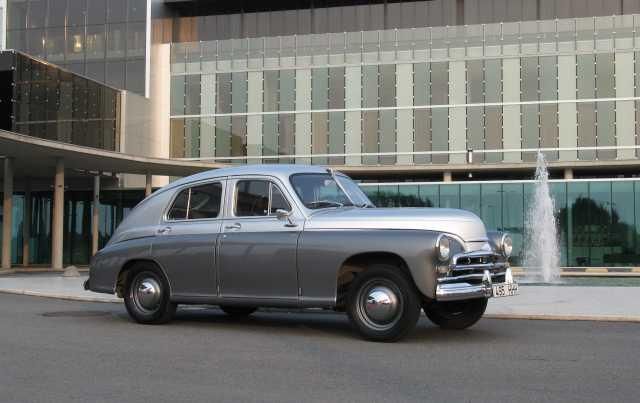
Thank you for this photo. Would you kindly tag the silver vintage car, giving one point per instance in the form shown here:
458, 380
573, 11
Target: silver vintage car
295, 236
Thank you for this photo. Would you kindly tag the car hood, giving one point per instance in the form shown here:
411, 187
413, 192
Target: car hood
462, 223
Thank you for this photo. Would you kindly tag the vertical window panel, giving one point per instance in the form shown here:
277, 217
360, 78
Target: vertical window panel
239, 136
449, 196
369, 86
192, 137
586, 129
530, 132
491, 195
370, 136
623, 234
192, 94
286, 139
336, 88
599, 222
387, 85
336, 137
287, 90
319, 88
223, 93
422, 135
239, 92
319, 136
223, 136
270, 90
493, 132
421, 85
387, 135
177, 138
605, 112
270, 136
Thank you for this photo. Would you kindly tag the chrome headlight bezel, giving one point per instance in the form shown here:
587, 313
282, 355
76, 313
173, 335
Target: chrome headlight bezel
506, 245
443, 248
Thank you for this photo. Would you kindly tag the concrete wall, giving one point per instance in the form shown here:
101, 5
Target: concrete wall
145, 121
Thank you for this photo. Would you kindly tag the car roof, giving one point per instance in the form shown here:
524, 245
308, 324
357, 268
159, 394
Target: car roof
281, 171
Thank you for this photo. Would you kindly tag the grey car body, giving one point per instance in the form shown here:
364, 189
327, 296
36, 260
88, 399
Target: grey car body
299, 261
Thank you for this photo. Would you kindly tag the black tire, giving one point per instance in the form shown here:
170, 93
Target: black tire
398, 322
238, 311
456, 314
144, 307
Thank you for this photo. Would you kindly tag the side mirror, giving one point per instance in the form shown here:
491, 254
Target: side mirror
284, 215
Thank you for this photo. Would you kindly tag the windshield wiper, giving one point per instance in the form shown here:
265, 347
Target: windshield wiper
329, 203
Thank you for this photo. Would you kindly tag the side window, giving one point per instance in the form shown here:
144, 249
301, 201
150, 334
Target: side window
278, 201
197, 202
205, 201
178, 210
252, 198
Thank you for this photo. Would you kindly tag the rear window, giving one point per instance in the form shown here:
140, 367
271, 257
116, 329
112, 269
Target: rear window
196, 203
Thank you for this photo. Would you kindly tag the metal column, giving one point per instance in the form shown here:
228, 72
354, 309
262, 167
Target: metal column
7, 207
26, 224
148, 185
95, 214
58, 217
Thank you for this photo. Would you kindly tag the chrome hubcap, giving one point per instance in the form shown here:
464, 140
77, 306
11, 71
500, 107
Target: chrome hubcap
148, 294
380, 305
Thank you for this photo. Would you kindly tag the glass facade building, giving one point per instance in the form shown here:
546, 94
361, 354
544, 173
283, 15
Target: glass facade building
42, 100
105, 40
114, 206
598, 220
417, 95
384, 89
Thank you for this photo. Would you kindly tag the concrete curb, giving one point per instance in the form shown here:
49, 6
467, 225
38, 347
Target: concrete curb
505, 316
61, 296
590, 318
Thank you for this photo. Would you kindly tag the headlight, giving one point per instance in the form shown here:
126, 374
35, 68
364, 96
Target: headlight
443, 248
506, 245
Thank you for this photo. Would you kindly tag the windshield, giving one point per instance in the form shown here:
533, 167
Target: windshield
320, 190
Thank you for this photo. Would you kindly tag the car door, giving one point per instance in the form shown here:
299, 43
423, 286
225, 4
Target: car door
257, 251
185, 245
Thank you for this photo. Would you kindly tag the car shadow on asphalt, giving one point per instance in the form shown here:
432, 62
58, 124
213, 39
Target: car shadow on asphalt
322, 323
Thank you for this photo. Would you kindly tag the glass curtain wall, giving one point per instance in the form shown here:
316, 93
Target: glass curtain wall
102, 39
44, 101
114, 206
598, 221
497, 89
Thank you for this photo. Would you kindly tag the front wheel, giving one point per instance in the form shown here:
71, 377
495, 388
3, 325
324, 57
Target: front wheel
383, 304
455, 314
147, 296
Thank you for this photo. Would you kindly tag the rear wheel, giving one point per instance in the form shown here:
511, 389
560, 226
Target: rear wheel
147, 296
383, 304
238, 311
456, 314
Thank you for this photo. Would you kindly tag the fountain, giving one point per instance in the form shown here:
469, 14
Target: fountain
542, 256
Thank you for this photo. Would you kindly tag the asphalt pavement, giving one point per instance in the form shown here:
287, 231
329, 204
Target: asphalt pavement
64, 351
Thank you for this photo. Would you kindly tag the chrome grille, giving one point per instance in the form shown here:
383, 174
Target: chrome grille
470, 268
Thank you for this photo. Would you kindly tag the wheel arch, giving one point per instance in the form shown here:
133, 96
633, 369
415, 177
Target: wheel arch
361, 262
128, 267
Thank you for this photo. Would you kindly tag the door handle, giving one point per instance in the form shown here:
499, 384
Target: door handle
233, 226
164, 231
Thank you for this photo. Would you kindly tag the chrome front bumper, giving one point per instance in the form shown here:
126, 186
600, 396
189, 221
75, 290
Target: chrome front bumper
472, 275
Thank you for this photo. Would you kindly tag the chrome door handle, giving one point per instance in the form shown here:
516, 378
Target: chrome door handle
164, 231
233, 226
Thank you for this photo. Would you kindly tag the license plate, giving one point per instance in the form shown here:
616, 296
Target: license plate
505, 289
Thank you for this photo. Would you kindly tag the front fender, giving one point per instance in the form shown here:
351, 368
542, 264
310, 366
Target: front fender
321, 254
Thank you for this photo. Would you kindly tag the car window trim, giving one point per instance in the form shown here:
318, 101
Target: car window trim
220, 216
268, 179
